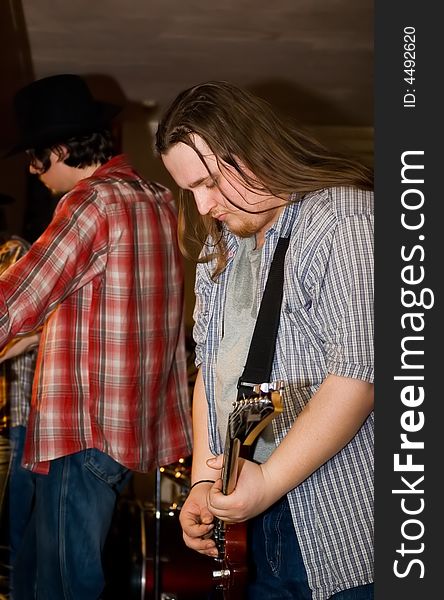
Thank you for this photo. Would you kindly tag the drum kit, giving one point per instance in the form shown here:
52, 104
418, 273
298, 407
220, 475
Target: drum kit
146, 557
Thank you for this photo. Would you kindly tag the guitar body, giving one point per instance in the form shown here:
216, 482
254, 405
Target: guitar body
236, 558
236, 546
248, 418
230, 572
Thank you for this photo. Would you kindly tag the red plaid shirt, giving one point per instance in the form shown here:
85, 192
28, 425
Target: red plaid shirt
106, 280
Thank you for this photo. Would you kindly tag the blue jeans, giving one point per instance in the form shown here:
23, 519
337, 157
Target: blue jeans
63, 543
279, 571
21, 492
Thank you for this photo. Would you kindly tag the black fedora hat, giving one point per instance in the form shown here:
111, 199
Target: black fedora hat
55, 108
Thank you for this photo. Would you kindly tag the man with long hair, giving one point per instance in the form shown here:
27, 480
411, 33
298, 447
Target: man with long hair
308, 486
105, 281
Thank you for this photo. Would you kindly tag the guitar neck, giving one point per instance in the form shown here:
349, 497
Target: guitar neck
230, 464
247, 419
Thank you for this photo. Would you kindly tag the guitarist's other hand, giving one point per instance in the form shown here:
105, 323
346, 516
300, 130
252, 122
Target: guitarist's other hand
197, 521
251, 496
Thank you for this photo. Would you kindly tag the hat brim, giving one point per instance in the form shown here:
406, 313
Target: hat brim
105, 113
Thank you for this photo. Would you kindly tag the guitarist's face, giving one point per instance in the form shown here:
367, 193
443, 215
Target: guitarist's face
220, 190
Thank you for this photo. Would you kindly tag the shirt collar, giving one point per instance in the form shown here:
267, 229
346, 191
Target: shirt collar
114, 163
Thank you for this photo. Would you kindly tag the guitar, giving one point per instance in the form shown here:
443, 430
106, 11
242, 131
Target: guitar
245, 422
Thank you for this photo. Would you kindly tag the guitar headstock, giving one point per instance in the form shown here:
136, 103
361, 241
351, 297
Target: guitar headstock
252, 414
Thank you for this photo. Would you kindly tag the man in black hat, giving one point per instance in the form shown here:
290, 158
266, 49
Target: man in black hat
105, 281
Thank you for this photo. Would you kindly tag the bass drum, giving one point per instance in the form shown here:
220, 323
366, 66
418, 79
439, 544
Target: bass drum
146, 557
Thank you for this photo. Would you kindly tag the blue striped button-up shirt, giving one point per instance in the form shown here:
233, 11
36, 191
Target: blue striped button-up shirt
326, 327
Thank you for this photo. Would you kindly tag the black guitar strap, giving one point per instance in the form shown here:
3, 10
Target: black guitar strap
257, 369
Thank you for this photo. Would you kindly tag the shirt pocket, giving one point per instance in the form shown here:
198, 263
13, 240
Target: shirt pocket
297, 311
301, 343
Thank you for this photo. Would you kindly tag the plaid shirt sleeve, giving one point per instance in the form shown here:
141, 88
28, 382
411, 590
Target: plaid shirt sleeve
69, 254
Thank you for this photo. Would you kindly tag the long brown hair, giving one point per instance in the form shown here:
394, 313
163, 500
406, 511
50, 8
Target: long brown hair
242, 129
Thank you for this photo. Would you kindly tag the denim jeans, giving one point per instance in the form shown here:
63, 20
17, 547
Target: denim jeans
63, 542
279, 571
21, 492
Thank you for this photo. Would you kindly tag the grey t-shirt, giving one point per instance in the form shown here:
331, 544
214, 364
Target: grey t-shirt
241, 310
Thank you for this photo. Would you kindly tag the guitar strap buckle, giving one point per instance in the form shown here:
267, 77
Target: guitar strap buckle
246, 389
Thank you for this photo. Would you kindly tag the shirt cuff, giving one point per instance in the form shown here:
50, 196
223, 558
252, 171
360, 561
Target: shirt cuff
363, 372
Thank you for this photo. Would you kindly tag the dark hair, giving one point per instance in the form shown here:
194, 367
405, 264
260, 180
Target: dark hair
241, 128
83, 151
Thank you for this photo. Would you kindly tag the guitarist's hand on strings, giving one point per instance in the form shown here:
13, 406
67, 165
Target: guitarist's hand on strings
197, 521
253, 493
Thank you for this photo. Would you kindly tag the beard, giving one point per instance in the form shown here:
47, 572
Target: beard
243, 228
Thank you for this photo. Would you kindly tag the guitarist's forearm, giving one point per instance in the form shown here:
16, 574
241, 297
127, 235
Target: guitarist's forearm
201, 451
329, 421
195, 518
